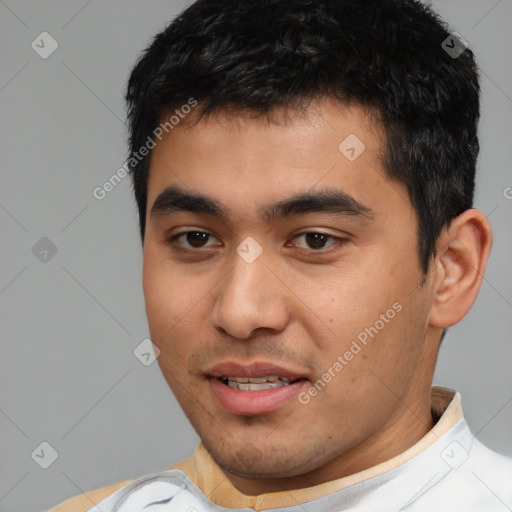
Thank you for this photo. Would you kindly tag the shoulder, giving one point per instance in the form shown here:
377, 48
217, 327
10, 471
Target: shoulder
493, 467
87, 500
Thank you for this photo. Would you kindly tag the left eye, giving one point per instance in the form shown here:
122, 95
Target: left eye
316, 240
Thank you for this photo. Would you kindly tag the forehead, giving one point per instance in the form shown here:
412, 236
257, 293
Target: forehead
244, 162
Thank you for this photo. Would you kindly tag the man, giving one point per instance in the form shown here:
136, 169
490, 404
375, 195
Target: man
304, 173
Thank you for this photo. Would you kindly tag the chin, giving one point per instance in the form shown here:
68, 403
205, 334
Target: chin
249, 461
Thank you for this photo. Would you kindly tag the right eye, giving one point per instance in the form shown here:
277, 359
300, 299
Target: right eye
194, 239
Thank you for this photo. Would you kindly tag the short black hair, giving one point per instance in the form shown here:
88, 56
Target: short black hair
386, 55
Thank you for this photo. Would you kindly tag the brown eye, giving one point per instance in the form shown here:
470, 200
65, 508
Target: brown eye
193, 239
196, 238
317, 240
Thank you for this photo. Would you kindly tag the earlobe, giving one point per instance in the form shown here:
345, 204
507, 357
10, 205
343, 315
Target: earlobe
463, 251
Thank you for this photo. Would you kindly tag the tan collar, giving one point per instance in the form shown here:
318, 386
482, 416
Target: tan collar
207, 475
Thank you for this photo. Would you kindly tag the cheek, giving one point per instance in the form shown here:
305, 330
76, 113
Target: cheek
352, 304
165, 296
176, 303
366, 313
166, 316
162, 298
164, 284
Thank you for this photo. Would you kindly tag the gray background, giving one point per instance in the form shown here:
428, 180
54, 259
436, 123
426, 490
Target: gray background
69, 325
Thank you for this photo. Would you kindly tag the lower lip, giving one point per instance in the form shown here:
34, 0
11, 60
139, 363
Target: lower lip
254, 402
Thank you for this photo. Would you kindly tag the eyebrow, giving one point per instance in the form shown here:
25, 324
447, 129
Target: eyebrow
331, 200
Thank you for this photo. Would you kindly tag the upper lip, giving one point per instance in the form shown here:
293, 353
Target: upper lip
256, 369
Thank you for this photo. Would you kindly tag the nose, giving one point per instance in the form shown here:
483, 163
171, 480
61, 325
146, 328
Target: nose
251, 296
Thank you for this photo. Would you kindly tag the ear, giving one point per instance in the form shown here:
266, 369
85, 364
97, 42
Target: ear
462, 252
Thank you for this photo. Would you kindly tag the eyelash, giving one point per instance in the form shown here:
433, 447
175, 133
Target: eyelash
172, 241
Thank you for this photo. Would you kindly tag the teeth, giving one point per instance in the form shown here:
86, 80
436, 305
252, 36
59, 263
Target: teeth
256, 380
255, 383
259, 387
255, 387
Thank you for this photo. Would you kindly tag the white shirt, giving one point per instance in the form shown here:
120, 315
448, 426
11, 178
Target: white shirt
452, 472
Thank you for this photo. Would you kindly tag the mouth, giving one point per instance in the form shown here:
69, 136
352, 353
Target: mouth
255, 389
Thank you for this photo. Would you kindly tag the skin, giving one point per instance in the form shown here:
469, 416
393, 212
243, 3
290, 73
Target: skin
300, 305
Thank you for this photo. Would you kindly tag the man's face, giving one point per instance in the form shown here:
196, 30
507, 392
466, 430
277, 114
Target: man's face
335, 282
